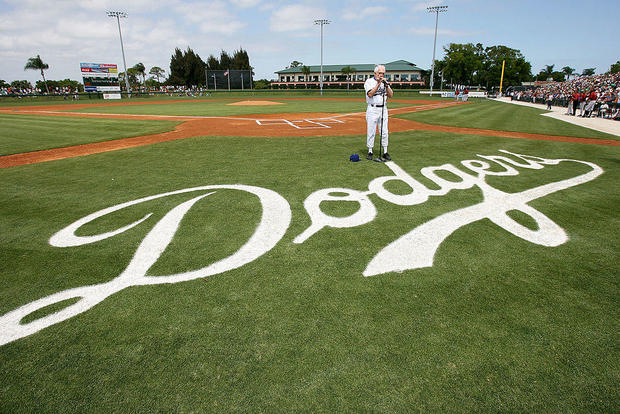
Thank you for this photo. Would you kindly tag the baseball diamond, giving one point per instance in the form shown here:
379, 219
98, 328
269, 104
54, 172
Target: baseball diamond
303, 124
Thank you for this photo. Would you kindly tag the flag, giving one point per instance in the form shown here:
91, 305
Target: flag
226, 73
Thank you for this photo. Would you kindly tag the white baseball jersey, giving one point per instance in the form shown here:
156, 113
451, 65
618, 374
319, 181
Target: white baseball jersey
377, 98
376, 116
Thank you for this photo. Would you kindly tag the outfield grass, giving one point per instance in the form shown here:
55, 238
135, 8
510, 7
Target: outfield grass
24, 133
502, 116
223, 108
497, 324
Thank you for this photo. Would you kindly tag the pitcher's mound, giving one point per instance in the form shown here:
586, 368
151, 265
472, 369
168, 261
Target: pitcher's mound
255, 103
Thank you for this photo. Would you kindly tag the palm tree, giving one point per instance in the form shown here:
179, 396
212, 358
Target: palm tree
36, 63
140, 70
306, 71
133, 76
157, 72
568, 71
347, 71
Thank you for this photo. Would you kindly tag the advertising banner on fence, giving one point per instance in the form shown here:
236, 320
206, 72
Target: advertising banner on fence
471, 94
101, 77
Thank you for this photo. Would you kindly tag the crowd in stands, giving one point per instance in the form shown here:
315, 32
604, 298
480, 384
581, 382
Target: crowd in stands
585, 96
72, 93
13, 91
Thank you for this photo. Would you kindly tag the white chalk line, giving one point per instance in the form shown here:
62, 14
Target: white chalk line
317, 123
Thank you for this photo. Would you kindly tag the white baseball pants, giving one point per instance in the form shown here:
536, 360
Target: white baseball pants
373, 120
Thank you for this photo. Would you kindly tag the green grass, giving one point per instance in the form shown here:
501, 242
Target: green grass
496, 325
24, 133
501, 116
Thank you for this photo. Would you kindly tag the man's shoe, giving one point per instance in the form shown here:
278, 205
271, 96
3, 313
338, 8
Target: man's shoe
369, 156
387, 156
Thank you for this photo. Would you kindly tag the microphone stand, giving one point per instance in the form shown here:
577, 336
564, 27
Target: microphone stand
381, 159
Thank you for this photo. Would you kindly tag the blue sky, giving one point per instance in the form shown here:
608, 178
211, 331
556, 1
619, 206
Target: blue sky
575, 33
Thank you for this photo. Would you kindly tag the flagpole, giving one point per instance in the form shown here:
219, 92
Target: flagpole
228, 72
501, 81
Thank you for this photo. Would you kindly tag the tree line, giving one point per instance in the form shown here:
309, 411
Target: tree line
187, 68
473, 64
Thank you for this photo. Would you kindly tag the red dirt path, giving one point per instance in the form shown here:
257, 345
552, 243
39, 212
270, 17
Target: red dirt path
350, 124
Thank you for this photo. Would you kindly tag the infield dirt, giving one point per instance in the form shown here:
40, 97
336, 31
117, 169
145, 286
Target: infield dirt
262, 125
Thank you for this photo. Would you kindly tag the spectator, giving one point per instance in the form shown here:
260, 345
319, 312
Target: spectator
597, 88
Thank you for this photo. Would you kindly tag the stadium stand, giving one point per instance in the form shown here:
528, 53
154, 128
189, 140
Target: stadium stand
586, 96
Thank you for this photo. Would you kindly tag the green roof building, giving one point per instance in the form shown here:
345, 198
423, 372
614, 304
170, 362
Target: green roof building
399, 72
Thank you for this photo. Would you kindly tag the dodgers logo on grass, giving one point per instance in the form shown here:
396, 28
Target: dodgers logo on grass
413, 250
274, 222
417, 248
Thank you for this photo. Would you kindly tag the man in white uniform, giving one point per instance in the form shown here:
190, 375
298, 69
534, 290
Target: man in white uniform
376, 90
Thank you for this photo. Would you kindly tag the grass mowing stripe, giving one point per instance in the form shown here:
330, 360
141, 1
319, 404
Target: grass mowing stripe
24, 133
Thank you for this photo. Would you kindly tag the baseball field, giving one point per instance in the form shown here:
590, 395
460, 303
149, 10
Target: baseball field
222, 254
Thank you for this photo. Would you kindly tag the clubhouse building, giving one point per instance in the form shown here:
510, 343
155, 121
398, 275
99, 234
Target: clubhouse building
399, 72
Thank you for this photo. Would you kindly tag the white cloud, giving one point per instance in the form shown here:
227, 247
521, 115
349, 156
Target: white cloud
245, 3
295, 17
71, 32
214, 17
364, 13
226, 28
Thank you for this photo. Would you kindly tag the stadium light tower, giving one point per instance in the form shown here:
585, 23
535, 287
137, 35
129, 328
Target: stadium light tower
118, 15
321, 22
436, 10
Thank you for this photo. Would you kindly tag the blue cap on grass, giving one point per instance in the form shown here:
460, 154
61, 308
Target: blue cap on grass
354, 158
